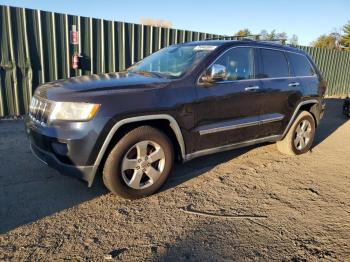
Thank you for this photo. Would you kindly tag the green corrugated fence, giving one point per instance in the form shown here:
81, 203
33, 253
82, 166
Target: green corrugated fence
35, 48
334, 66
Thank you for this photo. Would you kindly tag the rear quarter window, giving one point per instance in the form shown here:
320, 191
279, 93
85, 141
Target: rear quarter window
300, 65
273, 63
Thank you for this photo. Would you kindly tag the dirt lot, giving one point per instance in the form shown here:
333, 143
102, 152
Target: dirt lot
249, 204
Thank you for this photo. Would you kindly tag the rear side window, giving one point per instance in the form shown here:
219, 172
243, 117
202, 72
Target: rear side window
274, 64
301, 65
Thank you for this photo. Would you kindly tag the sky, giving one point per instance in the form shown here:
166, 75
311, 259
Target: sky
308, 19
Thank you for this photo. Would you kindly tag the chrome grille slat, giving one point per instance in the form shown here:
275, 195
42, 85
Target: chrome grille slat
38, 111
43, 113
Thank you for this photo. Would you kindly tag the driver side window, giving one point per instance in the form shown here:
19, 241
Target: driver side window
239, 63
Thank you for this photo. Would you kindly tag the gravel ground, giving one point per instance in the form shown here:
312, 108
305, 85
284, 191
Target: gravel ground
249, 204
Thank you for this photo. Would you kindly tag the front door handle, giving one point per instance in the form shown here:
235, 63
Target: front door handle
294, 84
251, 88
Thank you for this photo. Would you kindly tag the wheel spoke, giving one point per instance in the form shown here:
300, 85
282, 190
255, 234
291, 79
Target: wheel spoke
307, 134
302, 143
141, 149
129, 164
298, 130
153, 174
296, 141
135, 180
156, 155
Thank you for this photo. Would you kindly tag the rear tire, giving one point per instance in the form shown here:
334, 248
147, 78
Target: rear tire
139, 163
300, 136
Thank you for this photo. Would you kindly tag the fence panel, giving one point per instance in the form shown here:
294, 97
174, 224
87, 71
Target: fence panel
334, 66
35, 48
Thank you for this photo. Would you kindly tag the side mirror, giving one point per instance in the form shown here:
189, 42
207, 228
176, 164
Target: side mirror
215, 73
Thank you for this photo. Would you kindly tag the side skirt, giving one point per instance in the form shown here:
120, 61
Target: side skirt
214, 150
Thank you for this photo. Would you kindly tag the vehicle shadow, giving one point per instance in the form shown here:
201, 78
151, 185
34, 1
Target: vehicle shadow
332, 120
30, 190
192, 169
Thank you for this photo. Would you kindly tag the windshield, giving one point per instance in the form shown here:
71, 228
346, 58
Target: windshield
173, 61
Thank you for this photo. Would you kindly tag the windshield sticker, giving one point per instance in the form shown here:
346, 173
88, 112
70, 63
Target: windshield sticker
205, 47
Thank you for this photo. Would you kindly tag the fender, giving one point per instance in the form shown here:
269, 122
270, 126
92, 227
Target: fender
173, 124
311, 101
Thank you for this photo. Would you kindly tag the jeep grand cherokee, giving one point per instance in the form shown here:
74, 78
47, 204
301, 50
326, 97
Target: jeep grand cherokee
182, 102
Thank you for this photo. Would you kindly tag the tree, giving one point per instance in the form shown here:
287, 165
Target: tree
281, 36
156, 22
293, 40
243, 32
345, 39
268, 36
273, 35
263, 34
330, 41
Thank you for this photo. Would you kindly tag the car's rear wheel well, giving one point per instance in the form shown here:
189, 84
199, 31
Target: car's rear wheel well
311, 107
161, 124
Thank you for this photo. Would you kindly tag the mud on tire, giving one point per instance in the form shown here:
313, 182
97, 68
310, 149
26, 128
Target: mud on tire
298, 141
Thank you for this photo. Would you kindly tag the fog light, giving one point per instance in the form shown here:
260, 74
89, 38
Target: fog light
60, 148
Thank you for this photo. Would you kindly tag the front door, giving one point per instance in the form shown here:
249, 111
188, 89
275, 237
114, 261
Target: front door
227, 112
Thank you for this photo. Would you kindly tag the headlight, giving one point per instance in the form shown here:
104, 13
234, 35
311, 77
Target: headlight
74, 111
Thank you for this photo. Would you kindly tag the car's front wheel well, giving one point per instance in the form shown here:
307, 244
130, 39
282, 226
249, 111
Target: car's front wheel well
161, 124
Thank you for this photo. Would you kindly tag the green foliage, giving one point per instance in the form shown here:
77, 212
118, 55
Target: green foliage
330, 41
243, 32
345, 39
273, 35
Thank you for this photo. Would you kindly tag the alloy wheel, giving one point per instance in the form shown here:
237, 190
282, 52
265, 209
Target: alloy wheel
143, 164
303, 134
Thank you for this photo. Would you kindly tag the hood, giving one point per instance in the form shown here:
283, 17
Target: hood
81, 86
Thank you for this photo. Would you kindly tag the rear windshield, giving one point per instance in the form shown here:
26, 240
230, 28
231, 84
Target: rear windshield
300, 64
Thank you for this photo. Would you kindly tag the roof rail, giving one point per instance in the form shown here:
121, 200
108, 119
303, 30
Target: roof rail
282, 41
235, 37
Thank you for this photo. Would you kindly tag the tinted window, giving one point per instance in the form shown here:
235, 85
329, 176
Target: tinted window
300, 64
239, 63
274, 64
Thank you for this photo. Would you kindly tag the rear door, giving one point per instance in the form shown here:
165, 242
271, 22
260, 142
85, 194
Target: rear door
227, 112
305, 75
281, 91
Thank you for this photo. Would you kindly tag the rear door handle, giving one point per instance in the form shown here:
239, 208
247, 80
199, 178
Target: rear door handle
251, 88
294, 84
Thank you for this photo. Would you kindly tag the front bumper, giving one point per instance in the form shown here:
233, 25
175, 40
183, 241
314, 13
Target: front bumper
85, 173
68, 148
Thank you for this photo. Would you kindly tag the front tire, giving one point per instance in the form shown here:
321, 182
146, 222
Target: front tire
139, 163
300, 136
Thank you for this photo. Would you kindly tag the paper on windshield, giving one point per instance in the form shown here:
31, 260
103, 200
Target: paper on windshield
205, 47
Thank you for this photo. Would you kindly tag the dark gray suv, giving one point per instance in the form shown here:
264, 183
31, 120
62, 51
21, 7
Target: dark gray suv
182, 102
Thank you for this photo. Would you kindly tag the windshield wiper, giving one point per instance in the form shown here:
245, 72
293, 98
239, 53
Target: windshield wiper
149, 73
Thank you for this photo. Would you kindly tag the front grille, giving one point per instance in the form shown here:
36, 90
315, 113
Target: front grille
39, 110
